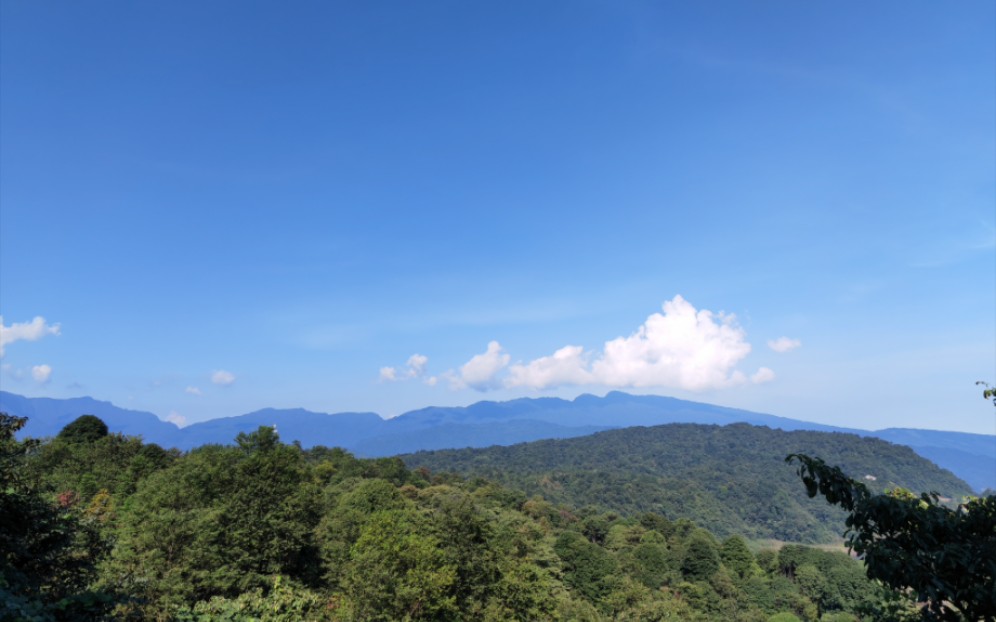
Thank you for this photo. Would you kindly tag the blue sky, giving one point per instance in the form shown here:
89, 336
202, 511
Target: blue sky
781, 206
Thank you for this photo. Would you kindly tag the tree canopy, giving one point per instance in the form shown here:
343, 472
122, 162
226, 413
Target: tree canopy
84, 429
946, 556
117, 529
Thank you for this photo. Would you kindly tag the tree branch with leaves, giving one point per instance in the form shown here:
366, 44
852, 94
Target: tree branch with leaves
945, 556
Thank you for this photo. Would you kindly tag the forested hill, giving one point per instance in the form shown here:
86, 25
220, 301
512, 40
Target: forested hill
100, 526
730, 479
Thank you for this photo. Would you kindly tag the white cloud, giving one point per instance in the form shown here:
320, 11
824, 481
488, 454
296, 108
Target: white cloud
784, 344
193, 391
416, 365
223, 378
566, 366
682, 348
481, 371
25, 331
41, 373
414, 368
762, 375
176, 419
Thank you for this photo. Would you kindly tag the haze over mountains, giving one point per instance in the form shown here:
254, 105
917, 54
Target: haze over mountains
971, 457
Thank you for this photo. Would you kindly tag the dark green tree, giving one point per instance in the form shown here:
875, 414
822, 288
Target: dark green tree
588, 568
701, 560
84, 429
946, 556
45, 567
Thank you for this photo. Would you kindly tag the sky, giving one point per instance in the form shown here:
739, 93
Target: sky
208, 208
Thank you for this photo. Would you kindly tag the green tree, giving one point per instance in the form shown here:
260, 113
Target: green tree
84, 429
588, 568
398, 571
701, 560
45, 564
738, 558
946, 556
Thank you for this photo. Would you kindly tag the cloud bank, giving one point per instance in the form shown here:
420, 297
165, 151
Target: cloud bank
680, 347
25, 331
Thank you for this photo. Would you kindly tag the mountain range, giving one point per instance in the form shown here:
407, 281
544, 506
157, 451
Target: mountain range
971, 457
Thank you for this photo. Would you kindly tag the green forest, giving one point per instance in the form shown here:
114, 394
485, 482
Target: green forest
100, 526
731, 480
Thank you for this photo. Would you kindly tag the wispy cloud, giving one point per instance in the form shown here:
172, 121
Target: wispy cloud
193, 391
223, 378
176, 419
784, 344
25, 331
414, 368
41, 373
762, 375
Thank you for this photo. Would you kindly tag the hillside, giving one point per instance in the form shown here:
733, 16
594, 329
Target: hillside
730, 479
105, 527
971, 456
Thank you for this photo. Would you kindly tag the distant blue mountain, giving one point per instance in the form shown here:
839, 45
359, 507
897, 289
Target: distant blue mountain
47, 416
970, 456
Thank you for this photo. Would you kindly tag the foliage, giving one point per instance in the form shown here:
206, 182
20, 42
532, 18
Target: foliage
728, 479
946, 556
284, 602
84, 429
47, 553
701, 559
738, 558
988, 392
268, 531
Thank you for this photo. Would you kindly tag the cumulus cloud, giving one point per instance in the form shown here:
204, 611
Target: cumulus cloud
682, 348
567, 365
223, 378
41, 373
784, 344
388, 374
25, 331
482, 370
176, 418
193, 391
762, 375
